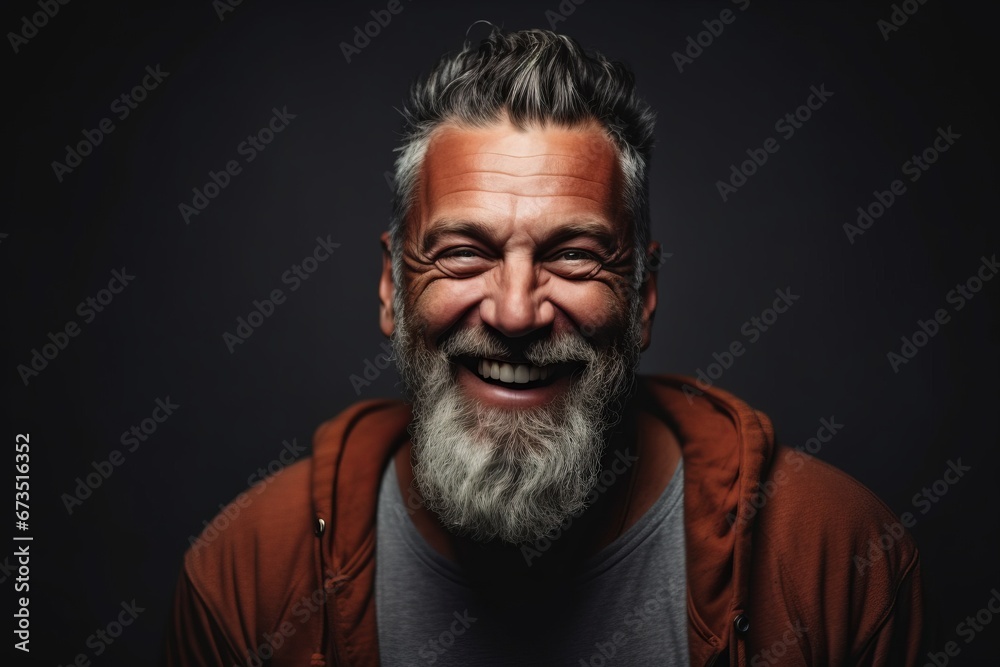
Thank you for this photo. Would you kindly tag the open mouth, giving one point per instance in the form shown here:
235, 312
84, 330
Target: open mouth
517, 375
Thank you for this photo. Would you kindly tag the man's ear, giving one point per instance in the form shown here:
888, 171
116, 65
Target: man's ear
648, 291
386, 290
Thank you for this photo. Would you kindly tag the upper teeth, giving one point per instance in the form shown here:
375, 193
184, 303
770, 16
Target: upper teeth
516, 373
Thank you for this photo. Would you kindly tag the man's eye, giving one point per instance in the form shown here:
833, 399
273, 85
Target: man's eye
575, 256
574, 264
463, 262
460, 253
464, 256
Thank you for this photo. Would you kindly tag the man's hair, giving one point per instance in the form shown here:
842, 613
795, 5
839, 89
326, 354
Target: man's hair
534, 77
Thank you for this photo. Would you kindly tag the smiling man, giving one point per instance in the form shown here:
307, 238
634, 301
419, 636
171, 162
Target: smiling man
535, 502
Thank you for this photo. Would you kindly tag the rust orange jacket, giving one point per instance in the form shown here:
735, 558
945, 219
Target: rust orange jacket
789, 560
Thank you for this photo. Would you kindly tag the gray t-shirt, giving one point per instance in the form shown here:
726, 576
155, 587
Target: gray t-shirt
626, 606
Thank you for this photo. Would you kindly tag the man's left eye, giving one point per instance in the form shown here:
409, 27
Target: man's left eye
575, 256
574, 264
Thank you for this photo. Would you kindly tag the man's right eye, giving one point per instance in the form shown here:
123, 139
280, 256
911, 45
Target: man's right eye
460, 253
462, 262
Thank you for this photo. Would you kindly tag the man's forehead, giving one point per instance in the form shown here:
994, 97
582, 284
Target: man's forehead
560, 169
454, 147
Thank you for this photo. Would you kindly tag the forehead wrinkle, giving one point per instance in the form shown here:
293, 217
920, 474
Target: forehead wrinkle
507, 173
525, 157
544, 184
513, 194
586, 147
471, 157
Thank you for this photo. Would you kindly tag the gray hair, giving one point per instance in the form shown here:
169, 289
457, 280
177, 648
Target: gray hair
534, 76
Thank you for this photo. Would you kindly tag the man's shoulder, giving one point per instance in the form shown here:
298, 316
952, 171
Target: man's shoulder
250, 571
810, 514
802, 488
802, 506
266, 528
830, 553
271, 526
803, 491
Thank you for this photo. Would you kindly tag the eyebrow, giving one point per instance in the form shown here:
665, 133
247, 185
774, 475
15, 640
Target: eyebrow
590, 228
447, 226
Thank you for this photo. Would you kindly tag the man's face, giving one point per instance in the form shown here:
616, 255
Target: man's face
519, 330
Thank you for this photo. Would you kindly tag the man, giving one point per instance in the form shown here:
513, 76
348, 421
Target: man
537, 503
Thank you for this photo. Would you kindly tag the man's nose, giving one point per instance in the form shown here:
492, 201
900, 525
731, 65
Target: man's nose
515, 305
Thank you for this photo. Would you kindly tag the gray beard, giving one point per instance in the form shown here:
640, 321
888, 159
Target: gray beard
512, 474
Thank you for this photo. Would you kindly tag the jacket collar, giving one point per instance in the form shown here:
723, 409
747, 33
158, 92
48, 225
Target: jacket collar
726, 446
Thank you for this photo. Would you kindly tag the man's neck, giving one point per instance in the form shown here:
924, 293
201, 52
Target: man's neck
638, 463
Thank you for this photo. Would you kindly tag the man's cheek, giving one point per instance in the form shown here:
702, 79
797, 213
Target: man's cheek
601, 331
594, 308
441, 311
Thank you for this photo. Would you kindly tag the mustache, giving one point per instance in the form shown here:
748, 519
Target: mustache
564, 348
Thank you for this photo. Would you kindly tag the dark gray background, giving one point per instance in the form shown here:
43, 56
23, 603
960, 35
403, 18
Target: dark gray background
324, 175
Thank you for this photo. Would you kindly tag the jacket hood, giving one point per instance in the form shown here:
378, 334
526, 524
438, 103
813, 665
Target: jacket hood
726, 446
